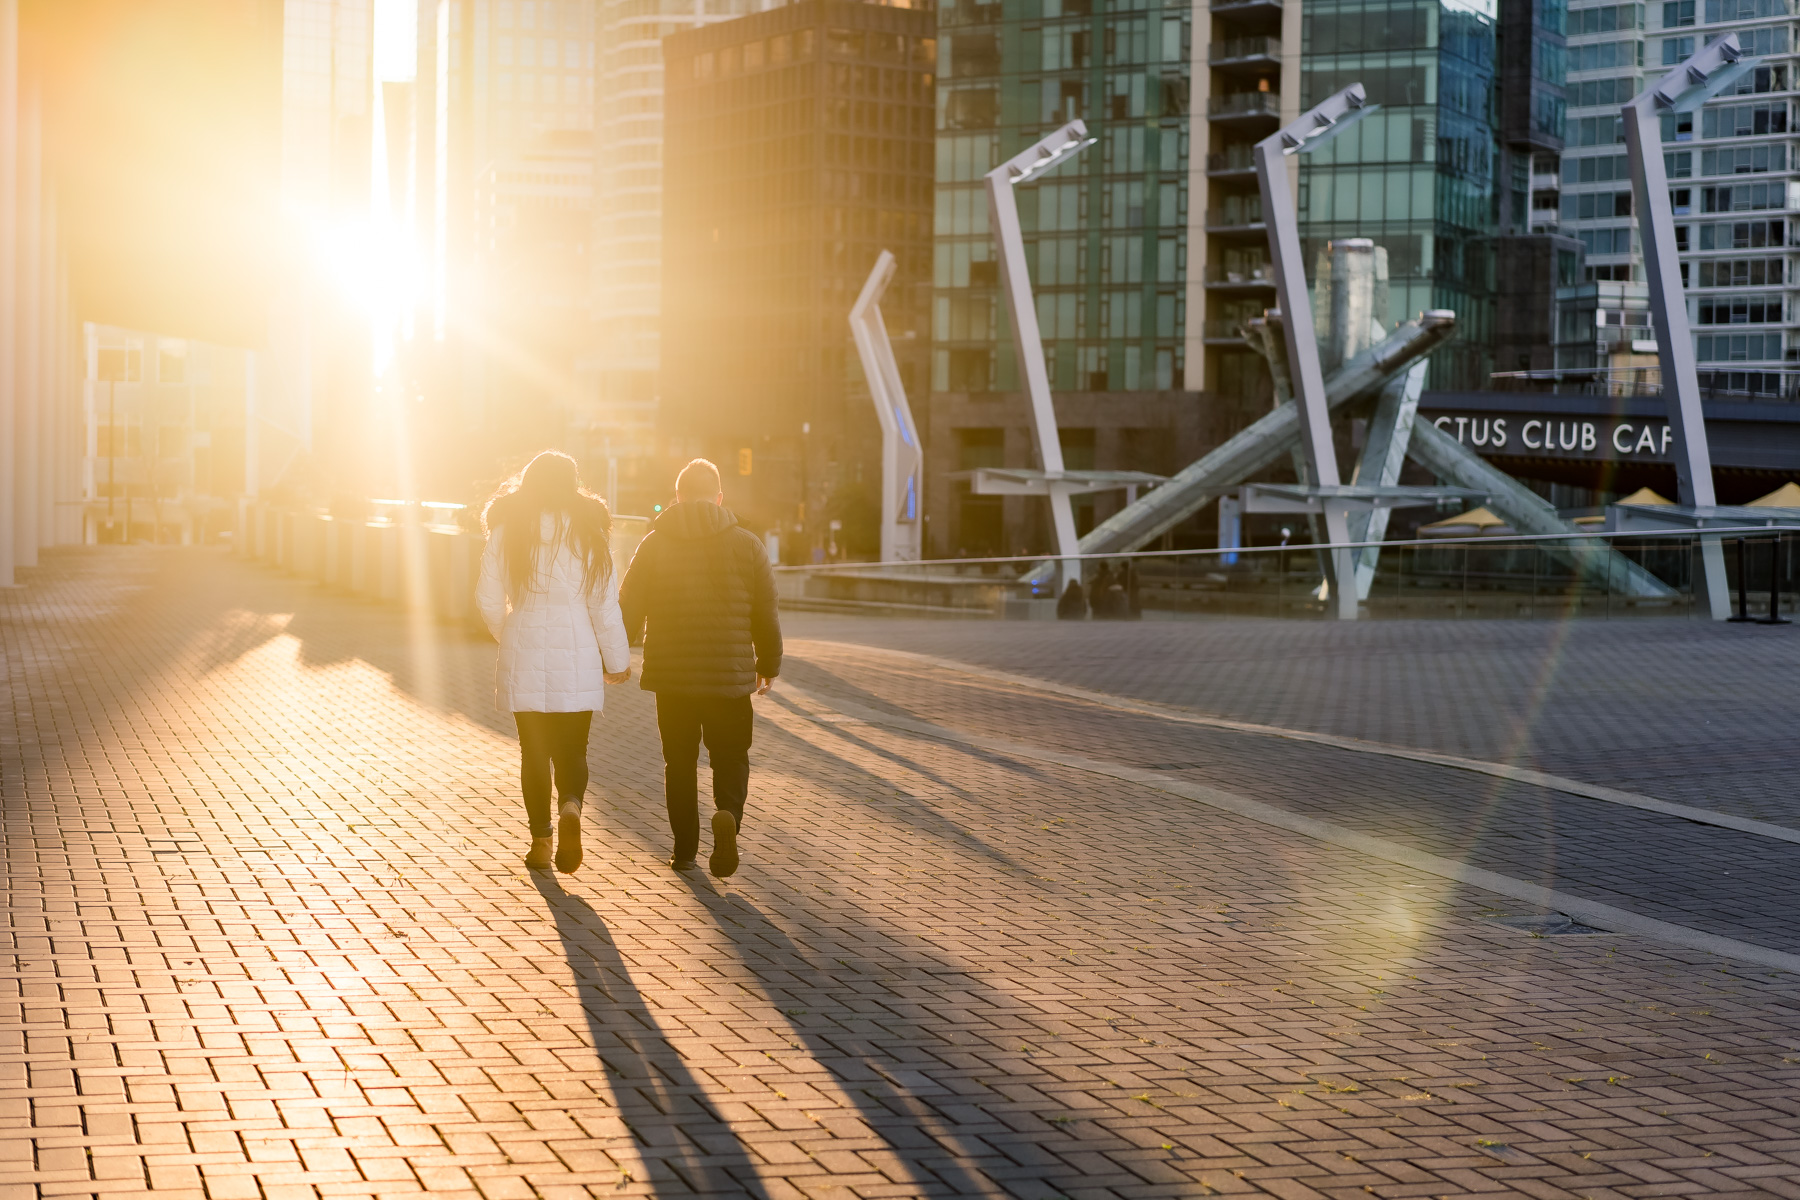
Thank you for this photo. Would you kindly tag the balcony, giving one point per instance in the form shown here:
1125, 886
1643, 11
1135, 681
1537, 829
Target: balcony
1235, 164
1244, 107
1257, 52
1247, 8
1223, 331
1240, 276
1237, 215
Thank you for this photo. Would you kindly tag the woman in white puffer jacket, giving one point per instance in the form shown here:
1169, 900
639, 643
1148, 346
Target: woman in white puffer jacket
550, 597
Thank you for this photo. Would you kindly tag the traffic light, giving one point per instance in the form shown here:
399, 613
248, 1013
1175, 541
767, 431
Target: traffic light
744, 461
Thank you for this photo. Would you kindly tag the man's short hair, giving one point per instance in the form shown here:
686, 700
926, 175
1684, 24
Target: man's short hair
699, 480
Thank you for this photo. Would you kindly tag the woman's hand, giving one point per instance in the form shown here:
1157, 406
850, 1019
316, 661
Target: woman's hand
618, 676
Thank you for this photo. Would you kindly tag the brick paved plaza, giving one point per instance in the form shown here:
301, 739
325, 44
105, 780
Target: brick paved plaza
268, 934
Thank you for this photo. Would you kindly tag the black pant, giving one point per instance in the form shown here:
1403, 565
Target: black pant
725, 723
547, 739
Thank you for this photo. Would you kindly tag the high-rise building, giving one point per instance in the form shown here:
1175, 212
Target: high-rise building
1531, 259
1107, 235
1247, 87
627, 263
1419, 175
798, 146
1734, 173
317, 378
502, 201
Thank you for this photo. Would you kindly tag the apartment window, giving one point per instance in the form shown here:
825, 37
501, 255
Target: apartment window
1677, 50
1743, 235
1678, 13
1744, 120
1598, 56
1743, 196
1743, 10
1589, 206
1741, 272
1744, 160
1740, 310
979, 448
1607, 241
1740, 347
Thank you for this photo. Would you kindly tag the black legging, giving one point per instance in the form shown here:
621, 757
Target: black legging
547, 739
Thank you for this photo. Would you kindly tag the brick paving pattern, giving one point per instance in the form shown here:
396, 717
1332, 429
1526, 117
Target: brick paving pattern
1688, 711
267, 935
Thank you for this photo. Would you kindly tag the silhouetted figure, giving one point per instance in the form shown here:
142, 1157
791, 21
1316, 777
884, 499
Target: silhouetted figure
701, 594
1073, 605
549, 596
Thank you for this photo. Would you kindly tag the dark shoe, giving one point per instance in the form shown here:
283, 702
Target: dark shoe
568, 844
724, 858
683, 864
539, 858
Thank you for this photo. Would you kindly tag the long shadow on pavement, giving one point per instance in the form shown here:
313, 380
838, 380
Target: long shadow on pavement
692, 1147
910, 1119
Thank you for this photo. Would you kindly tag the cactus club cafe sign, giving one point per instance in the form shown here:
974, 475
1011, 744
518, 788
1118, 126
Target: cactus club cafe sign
1524, 435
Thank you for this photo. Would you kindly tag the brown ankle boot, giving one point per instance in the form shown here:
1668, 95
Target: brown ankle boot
568, 842
539, 858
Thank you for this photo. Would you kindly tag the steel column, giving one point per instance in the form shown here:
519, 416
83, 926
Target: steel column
1683, 89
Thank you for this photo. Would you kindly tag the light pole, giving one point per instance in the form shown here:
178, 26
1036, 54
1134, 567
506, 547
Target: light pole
1684, 89
1318, 126
1015, 285
902, 455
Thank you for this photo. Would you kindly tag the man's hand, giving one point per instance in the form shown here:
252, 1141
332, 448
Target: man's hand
618, 676
764, 683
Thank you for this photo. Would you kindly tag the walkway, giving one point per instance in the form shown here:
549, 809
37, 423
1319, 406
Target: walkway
267, 933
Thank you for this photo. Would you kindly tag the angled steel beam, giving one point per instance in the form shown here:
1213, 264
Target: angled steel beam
1263, 442
1383, 455
1684, 89
902, 455
1015, 285
1527, 512
1314, 128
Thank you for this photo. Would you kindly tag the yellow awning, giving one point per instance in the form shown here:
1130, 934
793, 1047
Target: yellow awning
1644, 496
1475, 518
1785, 496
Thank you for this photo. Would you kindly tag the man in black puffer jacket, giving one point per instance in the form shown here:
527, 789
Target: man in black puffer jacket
703, 586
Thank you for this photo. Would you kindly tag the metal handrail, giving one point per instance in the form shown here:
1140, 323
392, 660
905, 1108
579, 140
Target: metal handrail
1475, 539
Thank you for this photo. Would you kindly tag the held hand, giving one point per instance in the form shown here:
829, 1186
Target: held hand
764, 683
618, 676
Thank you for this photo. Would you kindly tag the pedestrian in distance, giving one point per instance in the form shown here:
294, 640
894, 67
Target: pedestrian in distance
701, 594
550, 597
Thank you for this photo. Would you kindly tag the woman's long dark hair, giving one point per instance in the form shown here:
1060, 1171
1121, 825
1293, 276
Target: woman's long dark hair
551, 484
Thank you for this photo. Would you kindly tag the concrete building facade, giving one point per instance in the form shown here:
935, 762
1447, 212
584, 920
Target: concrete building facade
799, 145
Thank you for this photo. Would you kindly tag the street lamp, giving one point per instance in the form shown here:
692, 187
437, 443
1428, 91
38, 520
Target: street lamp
1684, 89
1318, 126
902, 456
1028, 343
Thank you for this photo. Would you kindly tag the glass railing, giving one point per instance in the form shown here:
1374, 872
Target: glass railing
1236, 158
1597, 574
1244, 48
1235, 216
1245, 104
1248, 273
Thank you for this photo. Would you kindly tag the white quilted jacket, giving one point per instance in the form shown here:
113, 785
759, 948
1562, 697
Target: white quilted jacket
556, 640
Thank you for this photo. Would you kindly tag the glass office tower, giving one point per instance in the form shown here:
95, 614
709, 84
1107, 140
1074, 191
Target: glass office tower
1106, 243
1734, 173
1419, 176
1105, 234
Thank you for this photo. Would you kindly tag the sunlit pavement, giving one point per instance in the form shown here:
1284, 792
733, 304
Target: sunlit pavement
269, 934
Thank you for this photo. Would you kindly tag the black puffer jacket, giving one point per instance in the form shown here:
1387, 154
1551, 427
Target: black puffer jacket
701, 595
